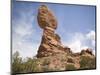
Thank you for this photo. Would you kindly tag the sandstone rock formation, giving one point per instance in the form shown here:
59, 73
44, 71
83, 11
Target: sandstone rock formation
51, 51
51, 43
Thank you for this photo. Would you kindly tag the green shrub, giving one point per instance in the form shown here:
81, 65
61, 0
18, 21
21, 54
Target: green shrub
87, 62
20, 66
47, 69
16, 63
70, 67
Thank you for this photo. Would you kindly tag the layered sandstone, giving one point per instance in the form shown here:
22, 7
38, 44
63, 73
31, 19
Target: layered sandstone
50, 43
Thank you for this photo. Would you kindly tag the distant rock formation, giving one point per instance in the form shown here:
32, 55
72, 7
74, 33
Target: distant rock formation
51, 43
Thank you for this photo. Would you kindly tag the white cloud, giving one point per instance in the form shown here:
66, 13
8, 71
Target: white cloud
23, 24
80, 41
91, 36
26, 49
77, 46
22, 28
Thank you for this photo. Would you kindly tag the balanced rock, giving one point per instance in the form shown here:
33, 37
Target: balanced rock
50, 43
46, 18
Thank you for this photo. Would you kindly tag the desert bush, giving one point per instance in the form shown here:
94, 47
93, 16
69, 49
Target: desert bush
47, 69
87, 62
20, 66
16, 63
70, 67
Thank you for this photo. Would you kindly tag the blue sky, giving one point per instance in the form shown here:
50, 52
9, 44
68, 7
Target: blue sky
76, 26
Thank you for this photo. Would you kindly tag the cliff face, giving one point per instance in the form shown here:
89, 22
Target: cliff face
53, 53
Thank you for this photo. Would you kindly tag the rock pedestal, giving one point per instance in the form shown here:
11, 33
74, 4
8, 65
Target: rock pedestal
50, 43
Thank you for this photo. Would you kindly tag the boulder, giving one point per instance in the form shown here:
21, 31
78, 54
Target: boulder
46, 18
